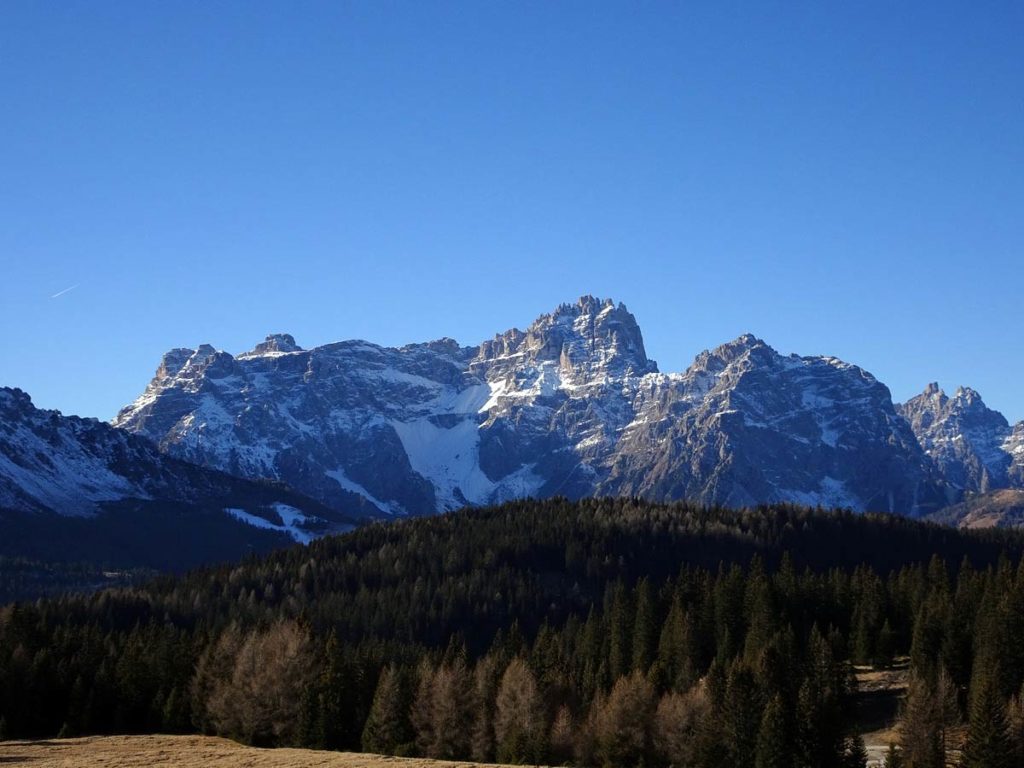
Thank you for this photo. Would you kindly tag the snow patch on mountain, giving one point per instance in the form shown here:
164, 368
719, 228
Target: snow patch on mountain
391, 507
293, 522
448, 456
571, 405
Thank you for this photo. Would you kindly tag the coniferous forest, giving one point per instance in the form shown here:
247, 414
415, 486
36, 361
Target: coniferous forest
604, 632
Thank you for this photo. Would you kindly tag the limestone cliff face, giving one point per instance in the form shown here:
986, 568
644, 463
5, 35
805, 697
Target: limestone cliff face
570, 406
972, 446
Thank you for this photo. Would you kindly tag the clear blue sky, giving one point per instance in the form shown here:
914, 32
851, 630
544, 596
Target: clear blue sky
838, 178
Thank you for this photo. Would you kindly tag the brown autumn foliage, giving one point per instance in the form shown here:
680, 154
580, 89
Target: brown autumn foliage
519, 722
676, 725
260, 697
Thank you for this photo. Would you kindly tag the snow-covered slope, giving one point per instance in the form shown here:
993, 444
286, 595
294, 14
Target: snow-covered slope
63, 466
570, 406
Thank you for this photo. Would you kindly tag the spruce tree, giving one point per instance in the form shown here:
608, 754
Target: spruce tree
893, 757
620, 630
862, 649
988, 743
486, 679
670, 647
387, 729
921, 729
643, 628
885, 648
773, 750
856, 753
1015, 727
742, 715
760, 610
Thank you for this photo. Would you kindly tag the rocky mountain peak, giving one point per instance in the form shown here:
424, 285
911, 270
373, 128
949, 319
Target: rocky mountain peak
590, 337
746, 348
965, 407
274, 344
173, 362
13, 399
961, 435
968, 399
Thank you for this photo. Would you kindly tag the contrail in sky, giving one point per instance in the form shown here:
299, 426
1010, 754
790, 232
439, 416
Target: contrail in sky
58, 294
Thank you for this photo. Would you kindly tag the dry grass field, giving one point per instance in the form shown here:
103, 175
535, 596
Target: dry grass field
187, 752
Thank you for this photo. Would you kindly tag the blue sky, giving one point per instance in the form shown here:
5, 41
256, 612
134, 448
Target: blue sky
837, 178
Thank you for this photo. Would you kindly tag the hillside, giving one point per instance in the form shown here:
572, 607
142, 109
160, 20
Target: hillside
996, 509
79, 494
538, 631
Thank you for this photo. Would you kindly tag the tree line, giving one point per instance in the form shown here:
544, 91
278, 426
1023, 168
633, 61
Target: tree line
599, 633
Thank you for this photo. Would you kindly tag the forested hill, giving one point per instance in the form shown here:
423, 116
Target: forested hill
599, 632
477, 571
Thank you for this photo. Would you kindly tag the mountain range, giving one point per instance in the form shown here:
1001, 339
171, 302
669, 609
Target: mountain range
223, 454
571, 406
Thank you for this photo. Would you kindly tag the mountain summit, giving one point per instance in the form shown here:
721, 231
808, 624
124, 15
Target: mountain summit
571, 406
974, 447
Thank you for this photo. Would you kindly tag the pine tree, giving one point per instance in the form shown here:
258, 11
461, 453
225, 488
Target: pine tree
643, 628
335, 727
885, 648
760, 610
856, 753
175, 712
893, 757
773, 750
387, 729
311, 722
820, 703
486, 679
863, 651
988, 743
741, 715
921, 727
1015, 728
620, 624
670, 648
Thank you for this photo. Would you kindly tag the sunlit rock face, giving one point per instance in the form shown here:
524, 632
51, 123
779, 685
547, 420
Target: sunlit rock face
972, 446
570, 406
